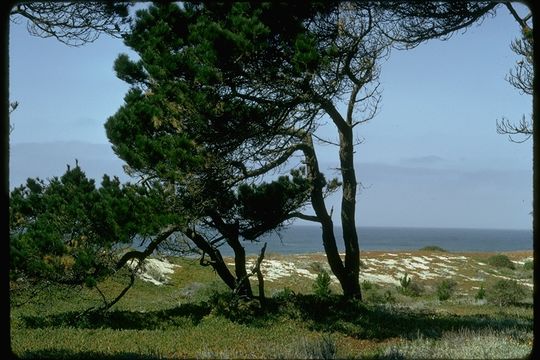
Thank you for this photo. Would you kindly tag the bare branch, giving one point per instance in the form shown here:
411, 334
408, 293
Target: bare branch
299, 215
73, 23
521, 22
325, 141
141, 255
524, 128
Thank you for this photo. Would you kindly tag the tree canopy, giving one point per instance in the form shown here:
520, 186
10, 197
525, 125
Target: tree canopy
224, 96
68, 231
249, 86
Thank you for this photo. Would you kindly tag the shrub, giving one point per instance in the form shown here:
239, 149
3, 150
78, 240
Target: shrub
415, 289
234, 307
501, 261
410, 288
323, 348
528, 265
463, 343
367, 285
505, 292
321, 286
481, 294
284, 295
445, 289
405, 281
433, 248
377, 297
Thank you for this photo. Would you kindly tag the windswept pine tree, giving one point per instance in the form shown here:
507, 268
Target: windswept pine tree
244, 87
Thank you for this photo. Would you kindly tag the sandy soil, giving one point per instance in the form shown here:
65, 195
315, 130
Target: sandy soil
470, 270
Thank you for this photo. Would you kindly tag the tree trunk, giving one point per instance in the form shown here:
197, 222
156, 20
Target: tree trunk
232, 234
242, 279
216, 260
317, 201
347, 273
348, 209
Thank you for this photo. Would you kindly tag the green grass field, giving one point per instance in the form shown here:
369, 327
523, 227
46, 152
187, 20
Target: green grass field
192, 315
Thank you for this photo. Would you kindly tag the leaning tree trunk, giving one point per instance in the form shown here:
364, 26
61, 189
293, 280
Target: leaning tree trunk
216, 260
232, 236
242, 280
346, 273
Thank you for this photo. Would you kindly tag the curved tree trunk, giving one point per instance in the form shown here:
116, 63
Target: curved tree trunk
232, 234
216, 260
346, 272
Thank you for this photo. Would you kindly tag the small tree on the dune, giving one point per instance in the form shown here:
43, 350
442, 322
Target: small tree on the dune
67, 231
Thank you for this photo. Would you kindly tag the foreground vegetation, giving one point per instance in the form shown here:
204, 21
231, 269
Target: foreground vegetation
194, 316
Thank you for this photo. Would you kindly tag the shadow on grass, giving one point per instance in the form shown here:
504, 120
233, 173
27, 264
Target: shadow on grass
183, 315
364, 321
51, 354
332, 314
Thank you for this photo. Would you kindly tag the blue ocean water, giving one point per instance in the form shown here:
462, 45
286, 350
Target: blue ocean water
300, 239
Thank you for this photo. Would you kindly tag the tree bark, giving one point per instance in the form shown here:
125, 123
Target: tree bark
348, 209
232, 234
317, 201
347, 273
217, 262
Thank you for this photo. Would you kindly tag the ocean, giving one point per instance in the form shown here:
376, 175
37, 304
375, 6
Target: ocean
302, 239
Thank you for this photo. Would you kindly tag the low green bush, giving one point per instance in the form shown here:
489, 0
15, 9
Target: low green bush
505, 292
405, 281
501, 261
445, 289
528, 265
409, 287
379, 297
433, 248
234, 307
481, 294
286, 294
321, 286
367, 285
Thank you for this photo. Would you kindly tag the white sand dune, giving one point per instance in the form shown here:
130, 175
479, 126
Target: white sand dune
154, 270
376, 268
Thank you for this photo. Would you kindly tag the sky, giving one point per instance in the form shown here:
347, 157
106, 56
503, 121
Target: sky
430, 158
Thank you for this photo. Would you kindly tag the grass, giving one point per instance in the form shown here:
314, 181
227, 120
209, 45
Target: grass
190, 317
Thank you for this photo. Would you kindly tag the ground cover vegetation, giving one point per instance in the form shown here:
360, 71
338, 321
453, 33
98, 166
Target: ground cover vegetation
194, 315
221, 97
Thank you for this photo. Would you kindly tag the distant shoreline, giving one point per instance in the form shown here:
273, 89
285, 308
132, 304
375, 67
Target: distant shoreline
517, 253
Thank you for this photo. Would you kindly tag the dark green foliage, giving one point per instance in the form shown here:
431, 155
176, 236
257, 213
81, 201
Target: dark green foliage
405, 281
410, 288
321, 285
184, 124
528, 265
481, 294
433, 248
445, 289
501, 261
66, 230
235, 308
367, 285
505, 292
267, 205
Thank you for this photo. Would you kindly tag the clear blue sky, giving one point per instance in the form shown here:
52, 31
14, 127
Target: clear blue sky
431, 158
